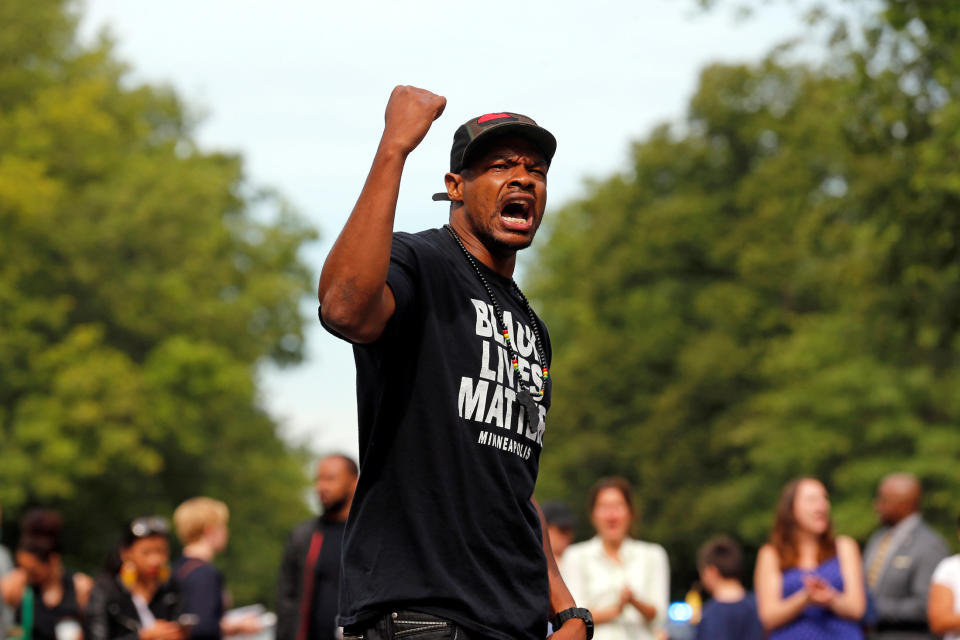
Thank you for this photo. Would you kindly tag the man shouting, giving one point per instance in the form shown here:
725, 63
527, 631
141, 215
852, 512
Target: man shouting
444, 539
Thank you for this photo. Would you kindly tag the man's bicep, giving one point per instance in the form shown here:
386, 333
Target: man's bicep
379, 318
396, 298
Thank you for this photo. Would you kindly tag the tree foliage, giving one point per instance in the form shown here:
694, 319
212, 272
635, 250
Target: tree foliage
771, 289
142, 280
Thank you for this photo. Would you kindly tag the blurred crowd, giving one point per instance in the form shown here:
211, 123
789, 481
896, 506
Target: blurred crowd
142, 593
139, 594
810, 583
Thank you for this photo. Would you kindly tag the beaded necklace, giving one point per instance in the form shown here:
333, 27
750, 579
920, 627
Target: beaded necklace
525, 395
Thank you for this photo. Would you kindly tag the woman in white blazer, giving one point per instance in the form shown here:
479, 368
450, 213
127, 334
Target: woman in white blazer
624, 582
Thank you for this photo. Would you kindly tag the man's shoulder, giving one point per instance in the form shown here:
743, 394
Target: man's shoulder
301, 533
426, 240
926, 538
424, 252
307, 527
924, 529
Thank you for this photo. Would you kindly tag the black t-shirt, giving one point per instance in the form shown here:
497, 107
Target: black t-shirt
326, 586
442, 520
46, 619
201, 593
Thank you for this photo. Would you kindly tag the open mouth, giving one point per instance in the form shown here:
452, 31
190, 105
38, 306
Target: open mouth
517, 213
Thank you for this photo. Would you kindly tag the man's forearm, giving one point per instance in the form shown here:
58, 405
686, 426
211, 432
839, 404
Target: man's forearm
355, 270
353, 295
560, 597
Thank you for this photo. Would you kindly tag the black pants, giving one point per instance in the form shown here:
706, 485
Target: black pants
403, 624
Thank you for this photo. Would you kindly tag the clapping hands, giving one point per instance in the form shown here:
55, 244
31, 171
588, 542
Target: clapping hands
819, 591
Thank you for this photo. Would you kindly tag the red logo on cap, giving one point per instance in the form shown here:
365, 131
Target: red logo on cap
492, 116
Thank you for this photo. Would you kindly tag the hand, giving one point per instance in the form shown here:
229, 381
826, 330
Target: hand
12, 586
410, 112
626, 597
163, 630
572, 629
16, 579
819, 591
648, 611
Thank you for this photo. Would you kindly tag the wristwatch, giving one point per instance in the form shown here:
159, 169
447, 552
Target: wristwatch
575, 612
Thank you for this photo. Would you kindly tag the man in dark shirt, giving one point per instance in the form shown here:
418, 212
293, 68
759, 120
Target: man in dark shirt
309, 579
445, 539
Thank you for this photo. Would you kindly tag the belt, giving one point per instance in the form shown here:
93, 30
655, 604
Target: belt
402, 623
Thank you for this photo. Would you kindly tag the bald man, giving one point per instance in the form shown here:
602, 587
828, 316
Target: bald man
899, 561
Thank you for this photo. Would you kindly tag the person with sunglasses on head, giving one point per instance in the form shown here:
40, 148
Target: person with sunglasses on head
134, 599
46, 596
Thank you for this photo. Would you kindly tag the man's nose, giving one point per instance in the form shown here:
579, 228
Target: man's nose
522, 178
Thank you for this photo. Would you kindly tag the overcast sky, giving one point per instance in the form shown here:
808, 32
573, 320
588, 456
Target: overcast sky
298, 88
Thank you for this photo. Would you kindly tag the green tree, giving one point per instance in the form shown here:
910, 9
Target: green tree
142, 281
771, 289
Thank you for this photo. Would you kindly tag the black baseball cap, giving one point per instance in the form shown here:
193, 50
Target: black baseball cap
468, 136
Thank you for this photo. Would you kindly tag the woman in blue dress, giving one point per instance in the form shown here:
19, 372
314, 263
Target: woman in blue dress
809, 584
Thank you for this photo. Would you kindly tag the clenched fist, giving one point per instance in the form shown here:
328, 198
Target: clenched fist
410, 112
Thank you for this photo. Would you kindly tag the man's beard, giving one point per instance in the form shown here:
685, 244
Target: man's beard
335, 506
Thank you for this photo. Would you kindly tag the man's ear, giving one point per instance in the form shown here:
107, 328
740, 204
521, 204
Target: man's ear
454, 182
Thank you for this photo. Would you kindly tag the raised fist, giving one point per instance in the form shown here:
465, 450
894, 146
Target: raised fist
410, 112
